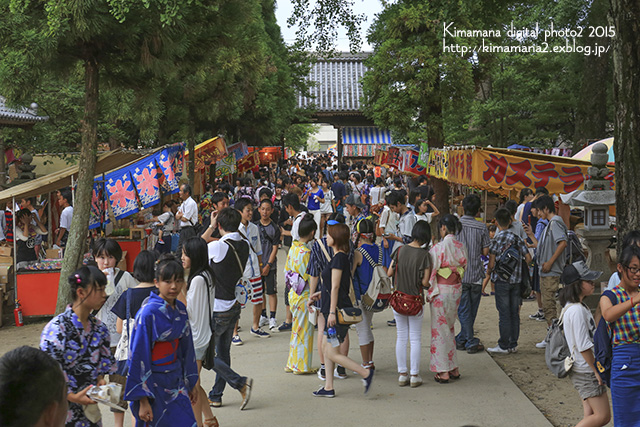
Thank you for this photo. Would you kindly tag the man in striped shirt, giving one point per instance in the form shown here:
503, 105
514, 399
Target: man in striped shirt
475, 237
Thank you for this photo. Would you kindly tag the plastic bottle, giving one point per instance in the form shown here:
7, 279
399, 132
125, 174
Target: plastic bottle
332, 337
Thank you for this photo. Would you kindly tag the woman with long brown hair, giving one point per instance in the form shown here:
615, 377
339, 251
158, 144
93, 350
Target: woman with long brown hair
334, 295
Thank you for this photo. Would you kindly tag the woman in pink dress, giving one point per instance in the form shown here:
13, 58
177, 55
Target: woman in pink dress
449, 259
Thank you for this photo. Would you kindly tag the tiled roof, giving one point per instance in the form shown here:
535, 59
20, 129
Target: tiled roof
19, 116
337, 87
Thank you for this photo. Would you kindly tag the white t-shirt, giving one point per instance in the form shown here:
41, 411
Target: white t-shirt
199, 310
65, 217
425, 217
251, 232
326, 206
296, 225
388, 220
189, 209
167, 221
614, 281
579, 327
377, 195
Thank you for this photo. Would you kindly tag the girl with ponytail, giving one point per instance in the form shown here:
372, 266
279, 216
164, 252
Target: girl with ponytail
80, 343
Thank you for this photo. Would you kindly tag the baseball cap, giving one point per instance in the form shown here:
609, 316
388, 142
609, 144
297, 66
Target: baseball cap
578, 271
354, 201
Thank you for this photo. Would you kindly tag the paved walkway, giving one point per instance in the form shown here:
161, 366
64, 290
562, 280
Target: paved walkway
484, 396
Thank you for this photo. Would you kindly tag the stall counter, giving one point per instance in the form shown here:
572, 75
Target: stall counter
38, 292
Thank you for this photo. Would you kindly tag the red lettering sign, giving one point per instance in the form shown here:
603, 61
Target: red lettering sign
496, 168
544, 173
572, 178
520, 174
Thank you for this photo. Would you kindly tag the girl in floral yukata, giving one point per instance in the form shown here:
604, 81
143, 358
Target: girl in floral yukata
162, 366
80, 343
449, 258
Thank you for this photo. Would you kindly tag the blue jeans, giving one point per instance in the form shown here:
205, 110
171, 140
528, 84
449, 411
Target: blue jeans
508, 304
467, 312
625, 384
223, 324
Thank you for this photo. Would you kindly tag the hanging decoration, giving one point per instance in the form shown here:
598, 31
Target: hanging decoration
98, 214
145, 178
170, 160
240, 149
423, 159
207, 153
226, 166
122, 194
249, 162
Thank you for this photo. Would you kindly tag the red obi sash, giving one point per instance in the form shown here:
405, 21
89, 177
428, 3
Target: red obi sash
164, 352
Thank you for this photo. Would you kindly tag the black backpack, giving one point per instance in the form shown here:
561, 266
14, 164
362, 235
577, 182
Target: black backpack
508, 262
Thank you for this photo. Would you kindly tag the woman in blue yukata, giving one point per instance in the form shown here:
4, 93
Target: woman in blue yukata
162, 367
80, 343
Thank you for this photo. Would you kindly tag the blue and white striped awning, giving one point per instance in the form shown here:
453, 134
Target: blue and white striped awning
365, 135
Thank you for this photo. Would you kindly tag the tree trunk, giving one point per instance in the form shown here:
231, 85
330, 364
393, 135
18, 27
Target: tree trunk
79, 225
625, 17
591, 114
3, 166
435, 137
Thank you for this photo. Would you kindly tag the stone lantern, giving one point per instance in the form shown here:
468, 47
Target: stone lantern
596, 199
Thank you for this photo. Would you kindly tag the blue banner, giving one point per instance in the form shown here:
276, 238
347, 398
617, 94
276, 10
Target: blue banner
145, 178
171, 161
121, 193
98, 213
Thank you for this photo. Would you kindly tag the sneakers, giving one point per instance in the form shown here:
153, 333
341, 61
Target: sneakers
236, 340
416, 381
160, 241
263, 321
475, 349
541, 344
539, 316
391, 322
284, 327
367, 381
321, 392
245, 392
260, 333
403, 380
215, 403
340, 372
460, 347
513, 350
497, 350
322, 373
273, 325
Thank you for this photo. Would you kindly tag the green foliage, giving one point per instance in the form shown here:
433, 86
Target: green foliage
297, 135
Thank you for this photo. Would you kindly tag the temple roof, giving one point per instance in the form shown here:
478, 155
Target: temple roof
21, 116
337, 86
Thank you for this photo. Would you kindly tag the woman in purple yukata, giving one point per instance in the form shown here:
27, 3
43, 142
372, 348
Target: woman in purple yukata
80, 343
162, 367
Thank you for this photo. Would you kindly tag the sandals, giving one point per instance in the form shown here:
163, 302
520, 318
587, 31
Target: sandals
211, 422
440, 380
454, 377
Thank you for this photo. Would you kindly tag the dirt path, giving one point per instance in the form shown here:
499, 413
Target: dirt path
556, 398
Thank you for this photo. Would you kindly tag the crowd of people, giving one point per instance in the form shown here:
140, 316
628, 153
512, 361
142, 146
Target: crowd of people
155, 329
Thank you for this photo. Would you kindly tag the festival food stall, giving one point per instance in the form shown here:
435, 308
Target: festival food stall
124, 184
37, 286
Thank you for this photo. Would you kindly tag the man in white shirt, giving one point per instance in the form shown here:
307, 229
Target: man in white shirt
64, 200
187, 215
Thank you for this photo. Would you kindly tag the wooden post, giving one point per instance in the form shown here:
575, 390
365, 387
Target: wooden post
339, 147
50, 222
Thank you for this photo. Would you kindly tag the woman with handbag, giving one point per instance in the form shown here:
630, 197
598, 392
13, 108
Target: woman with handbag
297, 280
362, 274
336, 295
411, 269
200, 294
449, 259
126, 308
